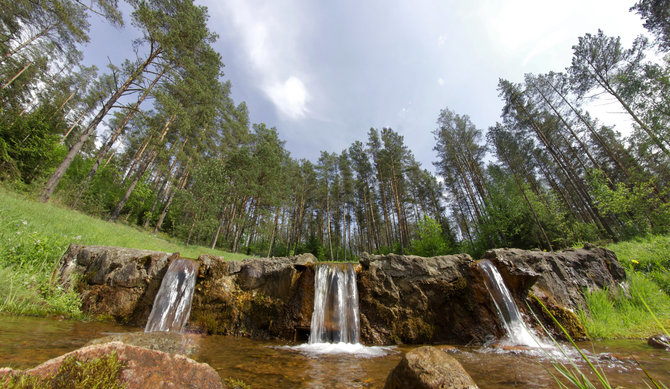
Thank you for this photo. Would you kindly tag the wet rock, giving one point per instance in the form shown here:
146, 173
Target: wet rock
564, 275
115, 282
659, 341
167, 342
143, 368
261, 298
565, 316
410, 299
303, 260
428, 367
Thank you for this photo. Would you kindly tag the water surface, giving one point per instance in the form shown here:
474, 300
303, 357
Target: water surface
26, 342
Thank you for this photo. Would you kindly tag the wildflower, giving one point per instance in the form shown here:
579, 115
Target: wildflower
635, 262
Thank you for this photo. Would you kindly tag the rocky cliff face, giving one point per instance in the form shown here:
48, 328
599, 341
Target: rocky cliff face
403, 299
262, 298
409, 299
114, 281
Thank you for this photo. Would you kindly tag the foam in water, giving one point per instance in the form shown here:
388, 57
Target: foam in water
517, 331
172, 305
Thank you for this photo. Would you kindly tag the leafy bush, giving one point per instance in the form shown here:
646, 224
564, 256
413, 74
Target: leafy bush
29, 147
638, 205
430, 240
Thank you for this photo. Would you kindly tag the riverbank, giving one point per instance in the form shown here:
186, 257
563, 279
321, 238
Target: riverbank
33, 238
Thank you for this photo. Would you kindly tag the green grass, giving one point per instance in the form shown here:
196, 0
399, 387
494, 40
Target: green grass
33, 238
649, 254
621, 312
65, 225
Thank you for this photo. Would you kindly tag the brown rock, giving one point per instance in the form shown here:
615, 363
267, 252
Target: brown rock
114, 281
659, 341
410, 299
428, 367
167, 342
564, 275
144, 368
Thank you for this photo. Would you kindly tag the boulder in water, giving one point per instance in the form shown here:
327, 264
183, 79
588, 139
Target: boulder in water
659, 341
428, 367
140, 368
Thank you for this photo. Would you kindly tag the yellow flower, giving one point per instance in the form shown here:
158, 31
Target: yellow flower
635, 262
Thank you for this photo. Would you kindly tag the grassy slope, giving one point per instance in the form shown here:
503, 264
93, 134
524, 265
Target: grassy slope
65, 225
621, 313
34, 236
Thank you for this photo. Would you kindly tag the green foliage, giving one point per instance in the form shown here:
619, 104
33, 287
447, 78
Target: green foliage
99, 373
28, 257
29, 148
637, 205
430, 241
621, 313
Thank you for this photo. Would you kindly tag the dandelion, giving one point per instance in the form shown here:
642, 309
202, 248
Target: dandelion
635, 262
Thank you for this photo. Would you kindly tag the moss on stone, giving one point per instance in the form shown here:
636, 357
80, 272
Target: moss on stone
415, 330
568, 319
98, 373
232, 383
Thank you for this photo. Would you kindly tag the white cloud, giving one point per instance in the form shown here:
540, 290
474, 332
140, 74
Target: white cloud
268, 34
441, 40
440, 81
290, 97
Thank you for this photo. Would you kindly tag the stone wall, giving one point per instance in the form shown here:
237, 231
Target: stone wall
403, 299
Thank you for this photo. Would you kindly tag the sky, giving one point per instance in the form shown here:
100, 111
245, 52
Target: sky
324, 73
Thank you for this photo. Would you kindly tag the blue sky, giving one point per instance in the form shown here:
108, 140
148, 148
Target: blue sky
323, 73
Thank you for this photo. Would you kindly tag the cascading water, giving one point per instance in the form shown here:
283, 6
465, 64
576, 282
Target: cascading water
335, 327
172, 305
509, 313
335, 318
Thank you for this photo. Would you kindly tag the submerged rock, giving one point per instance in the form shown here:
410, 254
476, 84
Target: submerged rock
167, 342
140, 368
659, 341
428, 367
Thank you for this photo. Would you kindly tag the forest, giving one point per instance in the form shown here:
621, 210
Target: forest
157, 142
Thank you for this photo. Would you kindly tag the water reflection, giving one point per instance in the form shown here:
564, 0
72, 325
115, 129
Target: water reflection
26, 342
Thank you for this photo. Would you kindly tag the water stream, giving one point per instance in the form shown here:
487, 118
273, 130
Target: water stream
172, 305
335, 318
28, 341
518, 334
335, 326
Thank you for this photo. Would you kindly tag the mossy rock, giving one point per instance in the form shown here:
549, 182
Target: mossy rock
104, 372
568, 319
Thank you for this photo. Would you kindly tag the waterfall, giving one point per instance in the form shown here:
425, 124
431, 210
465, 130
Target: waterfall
172, 305
335, 318
508, 312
